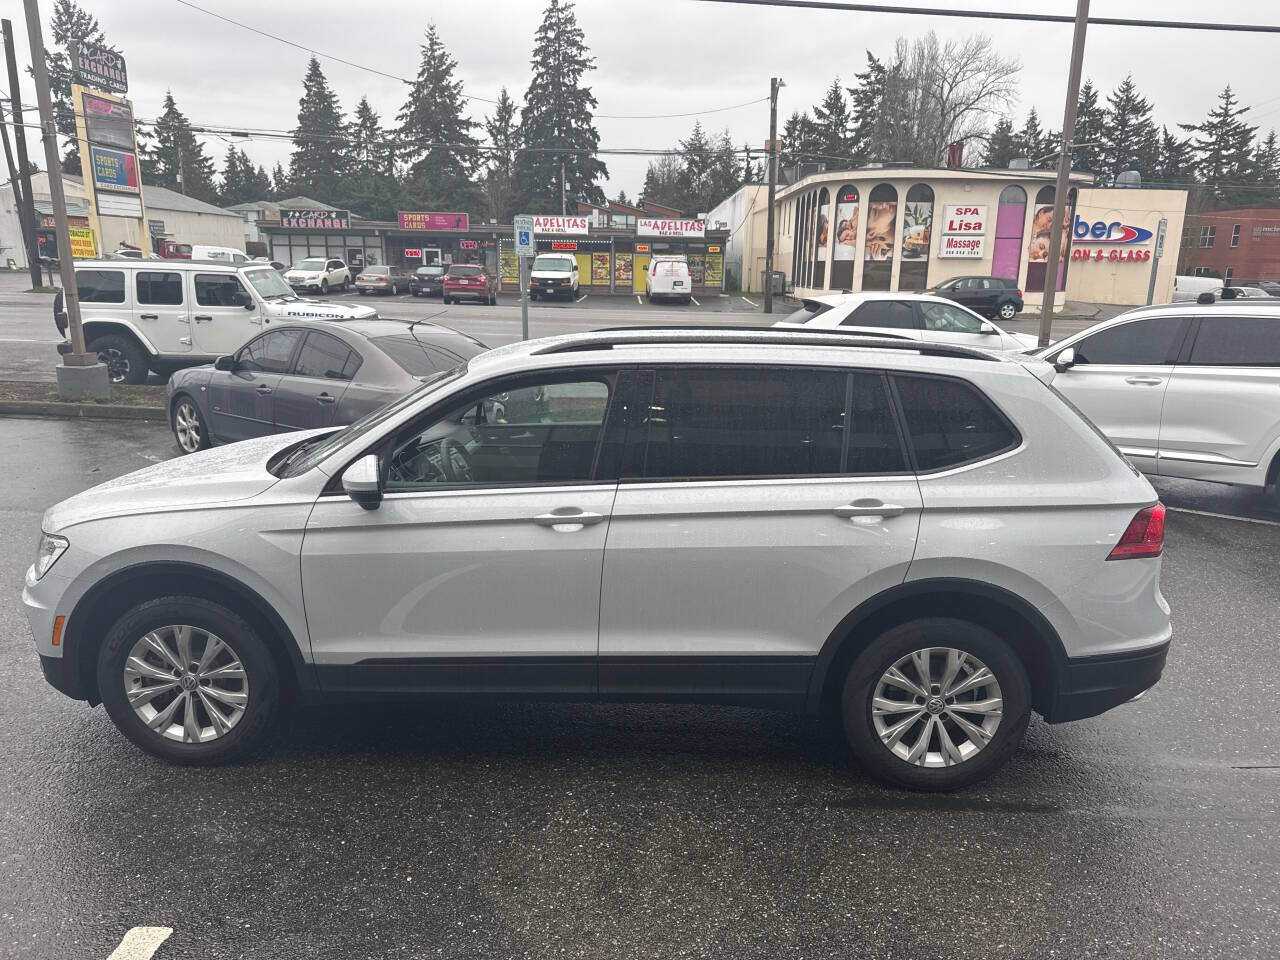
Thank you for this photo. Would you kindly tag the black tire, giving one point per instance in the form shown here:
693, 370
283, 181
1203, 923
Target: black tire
900, 641
324, 286
363, 292
445, 300
260, 669
1007, 311
185, 407
125, 359
493, 299
532, 295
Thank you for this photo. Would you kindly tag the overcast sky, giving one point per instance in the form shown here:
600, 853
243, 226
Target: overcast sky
652, 57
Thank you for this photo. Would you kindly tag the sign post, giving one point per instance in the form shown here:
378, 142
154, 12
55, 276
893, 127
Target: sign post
1155, 259
523, 226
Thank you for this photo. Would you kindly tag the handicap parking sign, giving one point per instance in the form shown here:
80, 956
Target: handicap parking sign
524, 235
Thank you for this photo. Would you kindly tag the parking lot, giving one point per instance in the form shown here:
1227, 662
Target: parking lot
643, 831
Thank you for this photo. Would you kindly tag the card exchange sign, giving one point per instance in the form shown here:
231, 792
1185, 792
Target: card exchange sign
99, 67
315, 219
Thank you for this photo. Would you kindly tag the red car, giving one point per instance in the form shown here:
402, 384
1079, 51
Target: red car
470, 281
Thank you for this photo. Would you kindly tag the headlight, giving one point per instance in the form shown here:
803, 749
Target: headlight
51, 548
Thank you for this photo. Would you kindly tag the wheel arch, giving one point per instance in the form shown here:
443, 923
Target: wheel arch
1016, 621
104, 603
99, 328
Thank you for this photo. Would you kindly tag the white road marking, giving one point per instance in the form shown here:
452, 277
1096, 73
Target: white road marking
26, 340
695, 300
752, 302
581, 298
141, 943
1225, 516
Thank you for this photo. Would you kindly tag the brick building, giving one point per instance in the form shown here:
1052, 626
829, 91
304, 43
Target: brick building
1240, 245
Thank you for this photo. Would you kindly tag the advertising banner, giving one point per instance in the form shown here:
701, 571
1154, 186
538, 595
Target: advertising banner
114, 170
82, 243
432, 220
413, 253
107, 122
509, 261
561, 225
600, 269
315, 219
653, 227
99, 67
622, 266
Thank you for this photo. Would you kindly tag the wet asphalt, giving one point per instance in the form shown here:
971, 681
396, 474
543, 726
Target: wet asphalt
649, 831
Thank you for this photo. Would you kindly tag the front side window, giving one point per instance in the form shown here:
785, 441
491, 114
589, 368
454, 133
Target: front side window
100, 286
895, 314
1140, 343
155, 287
949, 423
326, 357
219, 290
545, 433
268, 353
944, 318
1237, 342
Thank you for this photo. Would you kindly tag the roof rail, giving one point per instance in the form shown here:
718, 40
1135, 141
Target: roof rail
713, 334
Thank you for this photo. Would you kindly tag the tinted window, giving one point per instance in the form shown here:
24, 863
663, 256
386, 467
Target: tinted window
950, 423
807, 312
325, 356
269, 353
944, 318
536, 434
161, 288
1238, 342
745, 422
100, 286
376, 271
218, 290
882, 313
1141, 342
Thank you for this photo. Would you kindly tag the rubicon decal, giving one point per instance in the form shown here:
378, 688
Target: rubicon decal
1113, 232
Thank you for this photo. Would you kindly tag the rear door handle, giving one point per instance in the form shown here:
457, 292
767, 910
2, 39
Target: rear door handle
1144, 381
325, 398
263, 389
568, 519
148, 316
869, 508
203, 317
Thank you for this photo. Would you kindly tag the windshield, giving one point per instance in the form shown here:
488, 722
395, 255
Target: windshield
558, 264
317, 449
311, 263
268, 283
462, 270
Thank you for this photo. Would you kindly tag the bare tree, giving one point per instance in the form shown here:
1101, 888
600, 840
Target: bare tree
941, 93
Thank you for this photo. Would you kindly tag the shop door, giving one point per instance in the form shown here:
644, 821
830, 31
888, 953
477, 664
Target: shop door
430, 255
639, 271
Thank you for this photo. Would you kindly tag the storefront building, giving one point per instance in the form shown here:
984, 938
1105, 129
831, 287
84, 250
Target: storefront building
1239, 245
908, 229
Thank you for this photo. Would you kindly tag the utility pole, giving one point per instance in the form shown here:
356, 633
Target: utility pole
1064, 174
563, 197
26, 203
80, 374
774, 84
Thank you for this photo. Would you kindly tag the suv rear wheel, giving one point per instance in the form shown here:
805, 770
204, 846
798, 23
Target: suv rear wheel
188, 681
935, 704
126, 361
1007, 311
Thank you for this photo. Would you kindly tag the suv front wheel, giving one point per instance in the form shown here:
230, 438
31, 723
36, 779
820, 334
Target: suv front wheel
935, 704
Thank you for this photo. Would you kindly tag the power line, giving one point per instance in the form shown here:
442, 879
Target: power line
1003, 15
674, 116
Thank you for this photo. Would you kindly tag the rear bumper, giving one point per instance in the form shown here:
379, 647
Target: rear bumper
1089, 686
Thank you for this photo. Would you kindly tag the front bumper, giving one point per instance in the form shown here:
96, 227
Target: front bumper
39, 598
550, 287
1089, 686
304, 284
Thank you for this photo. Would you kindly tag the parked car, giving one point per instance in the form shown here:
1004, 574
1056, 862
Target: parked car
908, 316
1248, 293
1272, 287
321, 274
668, 277
553, 275
140, 316
427, 281
1183, 390
308, 374
201, 251
987, 296
470, 281
382, 278
891, 533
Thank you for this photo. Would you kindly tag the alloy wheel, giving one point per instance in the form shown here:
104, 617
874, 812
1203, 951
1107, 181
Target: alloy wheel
936, 707
187, 427
186, 684
1007, 312
117, 364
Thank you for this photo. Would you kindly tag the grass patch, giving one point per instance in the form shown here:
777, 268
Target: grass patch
122, 394
43, 290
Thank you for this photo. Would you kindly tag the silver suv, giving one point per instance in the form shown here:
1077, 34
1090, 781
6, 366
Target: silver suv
922, 540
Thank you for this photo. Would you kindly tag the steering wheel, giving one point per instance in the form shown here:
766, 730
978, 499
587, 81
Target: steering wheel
441, 461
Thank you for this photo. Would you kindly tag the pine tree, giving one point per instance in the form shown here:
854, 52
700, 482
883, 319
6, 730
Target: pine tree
1223, 151
503, 133
370, 187
281, 188
1267, 164
318, 163
726, 174
1002, 145
366, 142
70, 23
799, 141
695, 153
1031, 141
622, 198
232, 188
831, 125
865, 102
180, 160
557, 113
662, 182
259, 184
1174, 162
1129, 140
145, 141
1086, 153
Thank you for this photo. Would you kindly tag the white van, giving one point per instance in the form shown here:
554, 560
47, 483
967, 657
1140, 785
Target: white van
1189, 288
554, 274
223, 254
668, 277
162, 316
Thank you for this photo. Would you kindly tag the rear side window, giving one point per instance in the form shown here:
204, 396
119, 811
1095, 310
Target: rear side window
326, 357
1237, 342
100, 286
159, 288
882, 313
810, 309
949, 423
1142, 342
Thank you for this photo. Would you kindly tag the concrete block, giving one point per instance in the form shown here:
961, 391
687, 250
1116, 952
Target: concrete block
76, 384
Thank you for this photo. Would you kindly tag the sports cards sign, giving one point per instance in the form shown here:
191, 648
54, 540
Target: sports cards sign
654, 227
432, 220
114, 170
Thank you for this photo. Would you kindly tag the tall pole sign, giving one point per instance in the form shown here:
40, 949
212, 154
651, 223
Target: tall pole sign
523, 227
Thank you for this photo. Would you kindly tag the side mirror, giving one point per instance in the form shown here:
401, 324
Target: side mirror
1066, 360
246, 301
986, 328
227, 364
361, 482
1205, 297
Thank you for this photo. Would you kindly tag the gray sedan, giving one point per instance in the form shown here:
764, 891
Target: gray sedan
307, 374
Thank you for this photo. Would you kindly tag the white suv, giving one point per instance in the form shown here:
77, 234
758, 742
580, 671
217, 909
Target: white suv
1185, 390
924, 541
319, 274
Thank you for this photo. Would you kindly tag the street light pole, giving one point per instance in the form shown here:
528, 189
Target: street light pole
1064, 174
27, 213
774, 84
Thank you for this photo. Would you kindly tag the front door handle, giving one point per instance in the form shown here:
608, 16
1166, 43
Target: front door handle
203, 317
869, 508
325, 398
567, 519
148, 316
1144, 381
264, 389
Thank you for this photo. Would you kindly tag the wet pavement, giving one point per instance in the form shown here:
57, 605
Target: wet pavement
546, 830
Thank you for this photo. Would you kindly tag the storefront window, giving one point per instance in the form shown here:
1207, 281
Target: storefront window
1038, 245
846, 239
917, 234
818, 270
1010, 218
882, 216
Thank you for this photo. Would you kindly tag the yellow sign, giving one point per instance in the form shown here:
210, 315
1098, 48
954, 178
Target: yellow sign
510, 267
82, 243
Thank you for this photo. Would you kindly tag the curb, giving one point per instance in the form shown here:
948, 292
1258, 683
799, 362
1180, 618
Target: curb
78, 411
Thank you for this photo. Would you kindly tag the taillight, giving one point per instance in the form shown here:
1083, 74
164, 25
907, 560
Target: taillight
1019, 293
1144, 537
